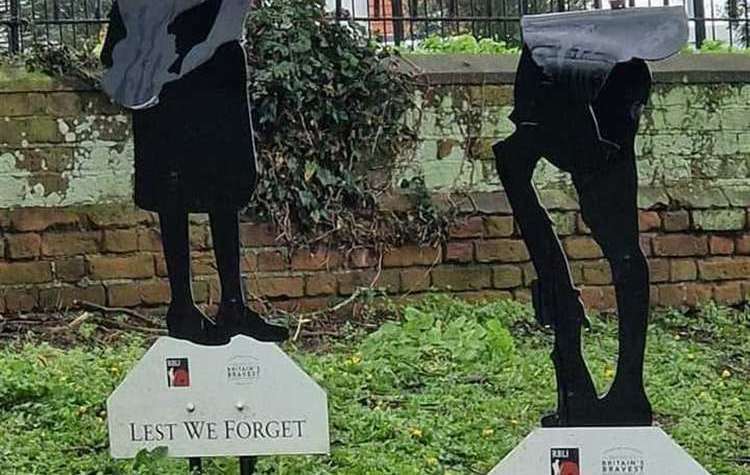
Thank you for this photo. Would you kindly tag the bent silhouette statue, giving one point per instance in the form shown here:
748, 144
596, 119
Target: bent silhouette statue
580, 88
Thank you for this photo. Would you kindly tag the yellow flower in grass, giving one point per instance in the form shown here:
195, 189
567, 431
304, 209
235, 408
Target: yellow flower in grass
431, 461
726, 374
488, 431
415, 432
354, 360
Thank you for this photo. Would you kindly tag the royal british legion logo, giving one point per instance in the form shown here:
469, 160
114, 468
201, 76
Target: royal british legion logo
565, 461
178, 373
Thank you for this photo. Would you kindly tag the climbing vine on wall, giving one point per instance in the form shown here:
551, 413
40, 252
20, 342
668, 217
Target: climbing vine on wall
335, 121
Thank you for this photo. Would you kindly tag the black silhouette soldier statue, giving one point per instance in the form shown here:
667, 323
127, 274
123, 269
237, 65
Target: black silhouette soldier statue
580, 88
180, 66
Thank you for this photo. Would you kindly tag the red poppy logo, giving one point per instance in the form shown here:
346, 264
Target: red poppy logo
178, 373
565, 461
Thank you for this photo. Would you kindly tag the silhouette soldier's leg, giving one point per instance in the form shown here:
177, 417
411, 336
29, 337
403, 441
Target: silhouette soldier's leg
225, 233
556, 300
184, 319
234, 317
609, 207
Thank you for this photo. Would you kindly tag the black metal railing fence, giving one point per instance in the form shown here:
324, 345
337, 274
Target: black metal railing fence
408, 22
24, 23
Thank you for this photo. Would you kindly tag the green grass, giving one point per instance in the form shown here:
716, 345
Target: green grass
450, 388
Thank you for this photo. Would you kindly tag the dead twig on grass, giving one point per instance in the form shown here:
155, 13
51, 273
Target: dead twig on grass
127, 311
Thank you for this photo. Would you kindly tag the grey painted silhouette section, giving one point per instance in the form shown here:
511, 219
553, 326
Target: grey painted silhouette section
144, 60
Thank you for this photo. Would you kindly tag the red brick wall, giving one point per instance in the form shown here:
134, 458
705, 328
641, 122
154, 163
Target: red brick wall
112, 256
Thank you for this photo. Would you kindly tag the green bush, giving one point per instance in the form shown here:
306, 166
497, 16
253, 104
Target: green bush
330, 107
463, 44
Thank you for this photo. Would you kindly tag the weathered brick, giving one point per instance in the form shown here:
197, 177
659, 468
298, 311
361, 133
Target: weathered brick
582, 247
70, 270
564, 223
139, 266
118, 217
361, 258
672, 295
529, 273
682, 270
696, 293
70, 243
63, 297
494, 202
649, 221
199, 237
201, 290
724, 268
472, 226
728, 293
461, 278
257, 234
35, 272
507, 277
676, 220
484, 295
576, 272
41, 219
123, 295
268, 286
410, 255
249, 262
149, 239
272, 261
21, 300
322, 283
598, 298
23, 246
64, 104
522, 295
721, 245
20, 104
719, 219
645, 241
349, 282
120, 240
161, 266
597, 273
203, 263
742, 246
315, 259
154, 292
581, 226
415, 280
502, 250
461, 251
680, 245
31, 129
658, 270
498, 226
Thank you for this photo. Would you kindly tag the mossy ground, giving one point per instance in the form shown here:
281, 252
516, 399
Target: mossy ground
449, 387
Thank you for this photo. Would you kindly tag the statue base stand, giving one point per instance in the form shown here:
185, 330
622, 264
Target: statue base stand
598, 451
242, 399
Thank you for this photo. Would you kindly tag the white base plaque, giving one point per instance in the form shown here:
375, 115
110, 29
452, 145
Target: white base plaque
241, 399
598, 451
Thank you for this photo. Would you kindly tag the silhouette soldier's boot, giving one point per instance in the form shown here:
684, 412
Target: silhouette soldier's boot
234, 318
578, 404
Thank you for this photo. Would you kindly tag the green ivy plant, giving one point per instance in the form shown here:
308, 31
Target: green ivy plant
331, 113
